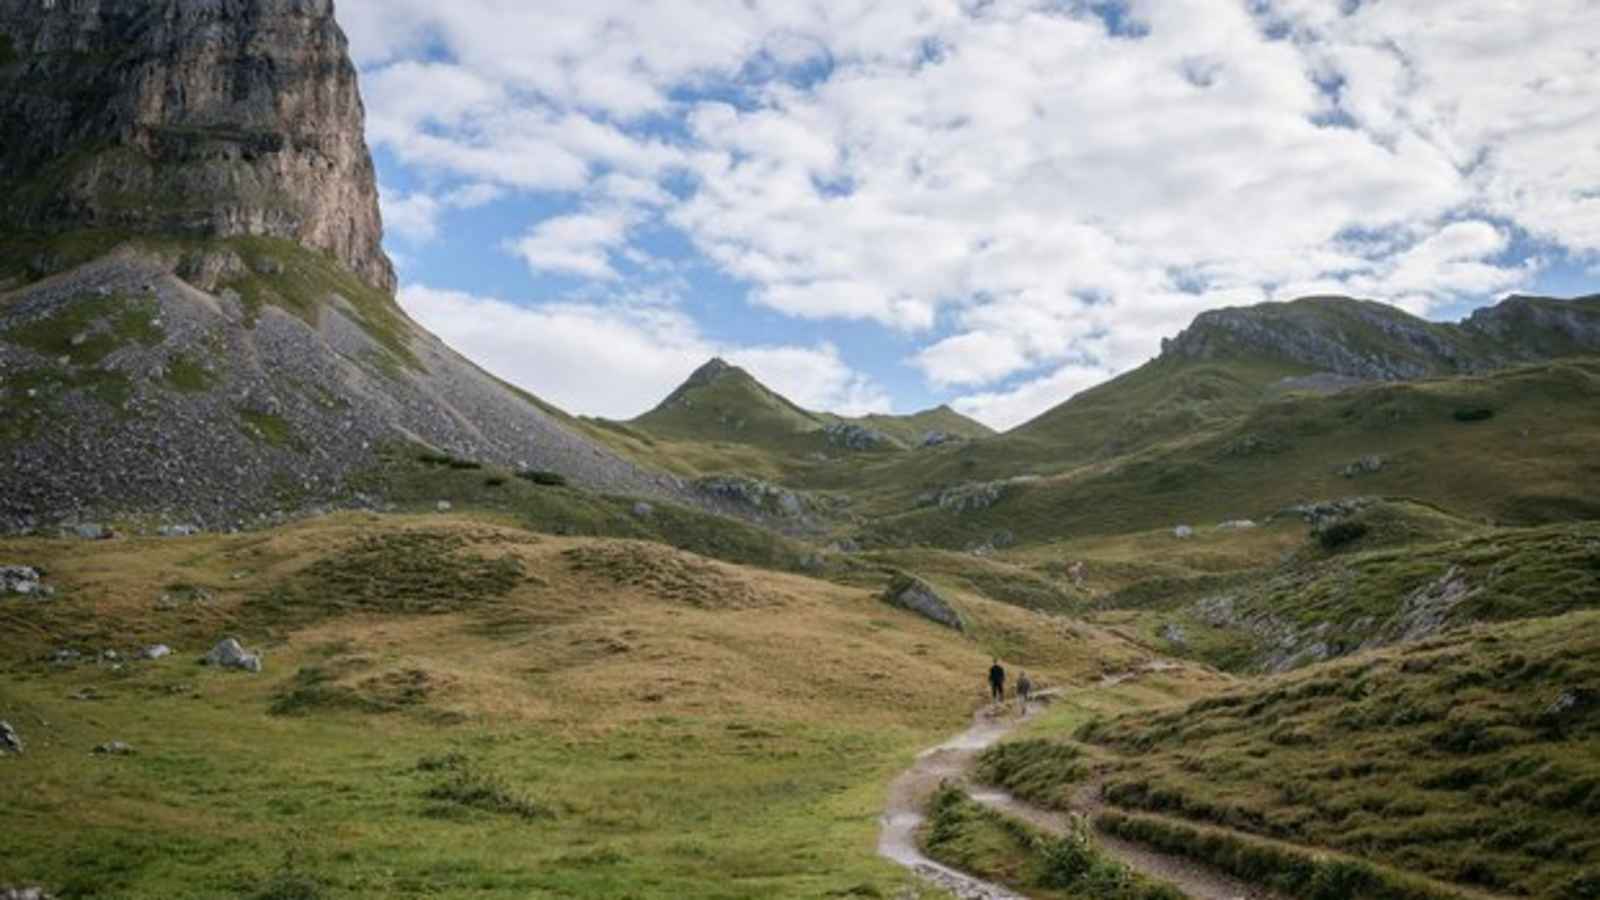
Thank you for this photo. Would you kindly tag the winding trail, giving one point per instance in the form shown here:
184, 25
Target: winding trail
953, 760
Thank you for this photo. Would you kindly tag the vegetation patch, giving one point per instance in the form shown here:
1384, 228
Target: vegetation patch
1295, 873
670, 575
270, 428
8, 50
469, 787
90, 328
186, 375
545, 479
1472, 758
965, 835
322, 688
1474, 414
1039, 771
408, 572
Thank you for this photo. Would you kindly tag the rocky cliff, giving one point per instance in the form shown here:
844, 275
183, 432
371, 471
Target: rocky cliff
205, 118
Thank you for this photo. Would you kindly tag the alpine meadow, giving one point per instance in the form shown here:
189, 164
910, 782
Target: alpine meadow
980, 450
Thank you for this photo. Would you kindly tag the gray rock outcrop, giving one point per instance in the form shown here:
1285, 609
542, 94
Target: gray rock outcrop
220, 118
849, 436
24, 580
229, 654
10, 741
917, 596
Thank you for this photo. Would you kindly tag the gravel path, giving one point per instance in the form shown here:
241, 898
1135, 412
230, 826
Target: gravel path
953, 760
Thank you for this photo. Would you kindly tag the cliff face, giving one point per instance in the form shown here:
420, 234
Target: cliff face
210, 118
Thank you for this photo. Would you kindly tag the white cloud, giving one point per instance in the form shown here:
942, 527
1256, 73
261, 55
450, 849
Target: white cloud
1006, 184
415, 217
621, 360
576, 245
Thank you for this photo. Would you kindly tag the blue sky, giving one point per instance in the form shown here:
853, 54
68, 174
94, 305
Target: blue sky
884, 207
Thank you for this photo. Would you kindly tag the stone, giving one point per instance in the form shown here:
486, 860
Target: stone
92, 531
1173, 633
917, 596
171, 531
65, 656
155, 651
1077, 572
444, 506
229, 654
1237, 525
114, 748
1183, 532
643, 510
855, 437
10, 741
1366, 465
23, 893
24, 580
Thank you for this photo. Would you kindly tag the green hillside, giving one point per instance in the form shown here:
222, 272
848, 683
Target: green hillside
1473, 758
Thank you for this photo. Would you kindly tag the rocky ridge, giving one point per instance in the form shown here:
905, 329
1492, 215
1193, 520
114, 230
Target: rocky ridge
1368, 341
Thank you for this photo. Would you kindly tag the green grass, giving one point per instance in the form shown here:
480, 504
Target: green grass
1450, 758
186, 375
1296, 874
995, 847
270, 428
667, 749
87, 329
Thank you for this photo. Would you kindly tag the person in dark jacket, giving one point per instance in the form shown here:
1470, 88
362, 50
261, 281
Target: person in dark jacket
1024, 690
997, 682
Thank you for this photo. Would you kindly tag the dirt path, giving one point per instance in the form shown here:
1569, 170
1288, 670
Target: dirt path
953, 760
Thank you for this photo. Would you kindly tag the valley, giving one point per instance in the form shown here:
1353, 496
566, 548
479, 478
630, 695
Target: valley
297, 602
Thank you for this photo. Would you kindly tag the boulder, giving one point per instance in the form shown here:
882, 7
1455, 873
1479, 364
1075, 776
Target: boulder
155, 651
10, 741
1183, 532
1237, 525
113, 748
169, 531
92, 531
22, 580
643, 510
229, 654
23, 893
915, 595
1366, 465
444, 506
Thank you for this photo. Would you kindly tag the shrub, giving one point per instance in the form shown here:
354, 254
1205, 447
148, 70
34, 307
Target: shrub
543, 478
490, 793
1474, 414
1336, 535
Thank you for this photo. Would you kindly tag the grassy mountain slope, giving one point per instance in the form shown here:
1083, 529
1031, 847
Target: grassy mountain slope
1516, 446
1473, 758
913, 429
452, 708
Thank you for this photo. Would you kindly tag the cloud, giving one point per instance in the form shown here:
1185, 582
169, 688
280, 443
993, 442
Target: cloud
576, 245
621, 360
415, 217
1021, 190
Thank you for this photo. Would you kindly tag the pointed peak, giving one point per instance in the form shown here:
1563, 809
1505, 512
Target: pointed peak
714, 370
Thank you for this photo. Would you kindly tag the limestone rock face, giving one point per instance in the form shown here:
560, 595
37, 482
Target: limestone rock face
211, 118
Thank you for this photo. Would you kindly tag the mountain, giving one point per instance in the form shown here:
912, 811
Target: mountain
227, 118
722, 403
197, 322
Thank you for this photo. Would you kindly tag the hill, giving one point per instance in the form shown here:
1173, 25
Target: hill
1470, 758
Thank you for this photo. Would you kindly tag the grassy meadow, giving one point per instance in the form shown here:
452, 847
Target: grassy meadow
453, 708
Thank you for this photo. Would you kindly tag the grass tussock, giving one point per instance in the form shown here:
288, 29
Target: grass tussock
469, 787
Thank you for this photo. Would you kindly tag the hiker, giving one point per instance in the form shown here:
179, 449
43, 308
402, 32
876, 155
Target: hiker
997, 682
1024, 690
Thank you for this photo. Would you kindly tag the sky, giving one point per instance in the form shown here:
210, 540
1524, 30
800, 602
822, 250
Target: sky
885, 206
